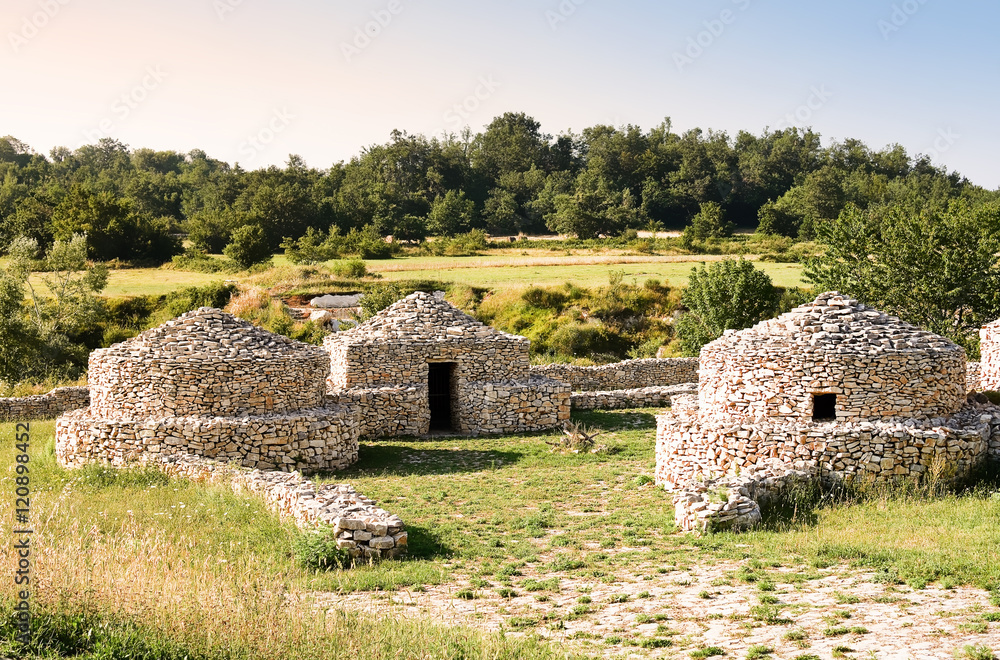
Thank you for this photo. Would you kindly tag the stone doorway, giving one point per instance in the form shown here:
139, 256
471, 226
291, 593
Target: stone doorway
439, 395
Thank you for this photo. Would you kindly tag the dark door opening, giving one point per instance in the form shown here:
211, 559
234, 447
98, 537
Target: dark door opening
439, 394
824, 407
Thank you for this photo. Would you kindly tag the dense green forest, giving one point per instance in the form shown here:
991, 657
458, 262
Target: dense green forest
136, 204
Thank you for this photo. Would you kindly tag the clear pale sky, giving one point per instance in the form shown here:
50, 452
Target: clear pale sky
255, 80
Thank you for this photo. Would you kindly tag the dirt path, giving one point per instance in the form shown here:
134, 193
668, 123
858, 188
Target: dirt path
674, 613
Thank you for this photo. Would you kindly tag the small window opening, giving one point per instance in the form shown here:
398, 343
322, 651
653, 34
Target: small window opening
824, 407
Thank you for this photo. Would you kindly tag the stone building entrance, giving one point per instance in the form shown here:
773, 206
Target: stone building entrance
439, 394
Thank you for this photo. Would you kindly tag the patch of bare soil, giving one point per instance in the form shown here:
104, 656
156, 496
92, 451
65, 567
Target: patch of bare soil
674, 613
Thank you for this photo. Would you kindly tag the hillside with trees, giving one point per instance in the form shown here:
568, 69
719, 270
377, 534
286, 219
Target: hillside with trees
136, 204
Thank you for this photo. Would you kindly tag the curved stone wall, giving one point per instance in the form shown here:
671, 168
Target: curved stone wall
690, 448
321, 439
127, 386
771, 381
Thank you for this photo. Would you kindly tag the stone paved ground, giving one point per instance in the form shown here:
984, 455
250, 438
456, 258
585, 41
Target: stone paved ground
674, 613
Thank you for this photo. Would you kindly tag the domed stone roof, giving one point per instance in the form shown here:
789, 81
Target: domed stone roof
423, 317
210, 333
834, 323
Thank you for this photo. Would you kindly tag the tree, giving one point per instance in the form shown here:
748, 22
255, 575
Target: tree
709, 222
450, 214
936, 270
248, 246
728, 295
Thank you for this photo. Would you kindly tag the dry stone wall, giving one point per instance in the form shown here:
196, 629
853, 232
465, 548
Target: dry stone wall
973, 376
383, 369
212, 385
360, 527
630, 374
644, 397
989, 349
320, 439
43, 406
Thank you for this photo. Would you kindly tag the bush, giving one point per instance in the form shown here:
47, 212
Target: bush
728, 295
216, 294
248, 246
313, 247
317, 550
352, 269
199, 262
377, 297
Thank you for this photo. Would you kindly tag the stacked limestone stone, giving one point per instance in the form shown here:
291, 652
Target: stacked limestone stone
210, 384
42, 406
989, 349
381, 369
627, 375
900, 407
642, 397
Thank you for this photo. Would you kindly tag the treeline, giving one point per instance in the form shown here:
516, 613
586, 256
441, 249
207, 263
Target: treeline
136, 205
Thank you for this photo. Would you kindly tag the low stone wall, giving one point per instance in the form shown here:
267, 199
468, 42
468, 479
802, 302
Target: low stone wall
514, 406
973, 376
478, 408
630, 374
387, 411
691, 448
320, 439
361, 528
643, 397
44, 406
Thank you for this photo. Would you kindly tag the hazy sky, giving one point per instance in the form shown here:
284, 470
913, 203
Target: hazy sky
254, 80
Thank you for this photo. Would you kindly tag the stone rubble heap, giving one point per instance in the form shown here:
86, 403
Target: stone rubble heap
361, 528
630, 374
643, 397
381, 368
733, 502
43, 406
210, 384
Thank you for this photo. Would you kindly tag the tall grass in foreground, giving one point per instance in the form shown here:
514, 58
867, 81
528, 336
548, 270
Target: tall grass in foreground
111, 579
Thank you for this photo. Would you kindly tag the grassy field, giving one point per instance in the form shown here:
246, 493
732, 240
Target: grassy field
538, 540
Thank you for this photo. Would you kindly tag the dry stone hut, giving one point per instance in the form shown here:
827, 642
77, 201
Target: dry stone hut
832, 387
989, 349
212, 385
423, 365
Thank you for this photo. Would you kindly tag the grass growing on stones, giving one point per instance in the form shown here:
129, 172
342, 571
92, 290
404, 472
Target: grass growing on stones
490, 519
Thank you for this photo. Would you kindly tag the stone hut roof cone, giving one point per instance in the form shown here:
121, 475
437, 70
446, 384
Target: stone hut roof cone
209, 331
423, 317
834, 323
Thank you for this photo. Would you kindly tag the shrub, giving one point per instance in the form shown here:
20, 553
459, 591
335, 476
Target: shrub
352, 269
248, 246
317, 550
377, 297
199, 262
216, 294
